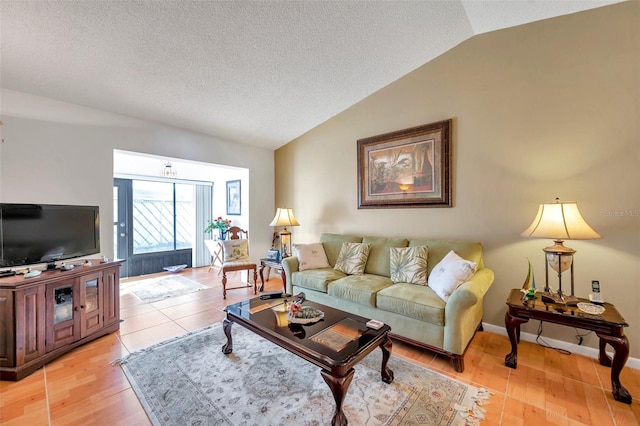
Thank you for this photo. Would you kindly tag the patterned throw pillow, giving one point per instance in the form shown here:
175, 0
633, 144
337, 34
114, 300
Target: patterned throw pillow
235, 250
310, 256
409, 265
450, 273
352, 258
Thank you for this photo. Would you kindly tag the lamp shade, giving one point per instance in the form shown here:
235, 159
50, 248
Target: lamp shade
284, 217
560, 221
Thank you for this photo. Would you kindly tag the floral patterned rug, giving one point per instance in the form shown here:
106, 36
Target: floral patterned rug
154, 289
189, 381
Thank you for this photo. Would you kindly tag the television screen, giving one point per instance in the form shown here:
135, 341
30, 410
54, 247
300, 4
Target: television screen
44, 233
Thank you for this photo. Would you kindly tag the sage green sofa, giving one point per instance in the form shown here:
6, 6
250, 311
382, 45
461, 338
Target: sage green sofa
416, 314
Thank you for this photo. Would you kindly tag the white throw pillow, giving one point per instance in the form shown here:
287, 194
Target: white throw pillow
235, 250
449, 274
310, 256
408, 264
352, 258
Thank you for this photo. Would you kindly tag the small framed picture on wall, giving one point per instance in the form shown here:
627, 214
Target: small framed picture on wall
234, 193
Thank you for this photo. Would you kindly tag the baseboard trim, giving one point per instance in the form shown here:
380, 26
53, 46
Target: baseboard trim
561, 344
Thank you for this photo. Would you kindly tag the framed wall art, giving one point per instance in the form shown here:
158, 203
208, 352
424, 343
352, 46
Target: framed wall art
234, 206
406, 168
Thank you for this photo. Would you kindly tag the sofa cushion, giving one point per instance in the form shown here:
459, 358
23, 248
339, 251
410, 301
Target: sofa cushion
409, 265
438, 249
359, 289
316, 279
414, 301
352, 258
332, 244
235, 250
449, 273
378, 261
310, 256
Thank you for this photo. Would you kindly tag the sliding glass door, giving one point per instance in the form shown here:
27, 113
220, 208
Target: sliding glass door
154, 225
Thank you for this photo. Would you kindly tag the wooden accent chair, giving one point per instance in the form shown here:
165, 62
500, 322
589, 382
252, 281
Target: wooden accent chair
235, 257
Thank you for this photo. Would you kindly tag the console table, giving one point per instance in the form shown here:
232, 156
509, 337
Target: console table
268, 263
609, 327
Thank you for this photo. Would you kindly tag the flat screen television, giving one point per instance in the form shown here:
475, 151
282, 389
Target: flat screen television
46, 233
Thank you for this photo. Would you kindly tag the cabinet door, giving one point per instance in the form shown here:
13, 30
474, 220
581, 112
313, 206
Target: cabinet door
30, 324
7, 330
111, 306
90, 303
63, 313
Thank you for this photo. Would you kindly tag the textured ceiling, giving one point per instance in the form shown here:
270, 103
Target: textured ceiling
260, 73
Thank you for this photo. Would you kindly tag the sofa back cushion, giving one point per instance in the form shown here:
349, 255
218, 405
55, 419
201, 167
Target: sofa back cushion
438, 249
310, 256
352, 258
409, 265
332, 244
378, 262
449, 273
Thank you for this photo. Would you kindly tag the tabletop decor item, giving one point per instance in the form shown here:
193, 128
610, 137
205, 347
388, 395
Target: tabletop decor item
529, 286
218, 225
590, 308
559, 221
284, 217
299, 314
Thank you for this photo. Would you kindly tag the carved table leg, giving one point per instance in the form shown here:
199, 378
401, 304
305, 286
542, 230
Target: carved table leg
620, 345
226, 326
283, 276
262, 277
338, 386
386, 372
602, 355
513, 331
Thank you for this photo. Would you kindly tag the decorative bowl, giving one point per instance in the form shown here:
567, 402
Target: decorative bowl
306, 315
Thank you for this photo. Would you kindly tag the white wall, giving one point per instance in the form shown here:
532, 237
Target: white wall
58, 153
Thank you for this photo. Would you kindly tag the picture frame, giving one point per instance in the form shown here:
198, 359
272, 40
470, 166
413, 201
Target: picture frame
408, 168
234, 198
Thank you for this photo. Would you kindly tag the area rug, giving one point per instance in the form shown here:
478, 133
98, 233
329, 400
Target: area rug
189, 381
159, 288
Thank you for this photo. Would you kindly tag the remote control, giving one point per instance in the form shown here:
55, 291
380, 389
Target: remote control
271, 295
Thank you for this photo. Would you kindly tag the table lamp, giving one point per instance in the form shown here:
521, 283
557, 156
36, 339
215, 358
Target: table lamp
560, 220
284, 217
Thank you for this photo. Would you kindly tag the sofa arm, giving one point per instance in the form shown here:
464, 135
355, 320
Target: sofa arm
289, 266
463, 311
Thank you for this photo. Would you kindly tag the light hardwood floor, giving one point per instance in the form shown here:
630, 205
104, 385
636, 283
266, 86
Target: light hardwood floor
83, 388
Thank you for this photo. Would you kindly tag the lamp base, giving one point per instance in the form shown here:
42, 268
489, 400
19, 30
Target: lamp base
559, 298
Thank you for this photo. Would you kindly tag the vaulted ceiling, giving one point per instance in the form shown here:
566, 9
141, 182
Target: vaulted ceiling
255, 72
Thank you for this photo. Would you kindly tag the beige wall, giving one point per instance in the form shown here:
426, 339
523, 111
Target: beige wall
545, 110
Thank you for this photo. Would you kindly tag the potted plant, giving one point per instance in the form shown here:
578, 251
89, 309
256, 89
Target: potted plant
218, 224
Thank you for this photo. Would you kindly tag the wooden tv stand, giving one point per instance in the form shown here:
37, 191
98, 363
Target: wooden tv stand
44, 317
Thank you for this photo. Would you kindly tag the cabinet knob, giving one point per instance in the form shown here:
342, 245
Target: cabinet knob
76, 309
82, 306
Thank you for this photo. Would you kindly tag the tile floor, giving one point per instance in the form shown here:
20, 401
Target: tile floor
82, 388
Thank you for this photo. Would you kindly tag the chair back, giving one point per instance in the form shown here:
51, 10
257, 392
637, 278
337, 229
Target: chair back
235, 233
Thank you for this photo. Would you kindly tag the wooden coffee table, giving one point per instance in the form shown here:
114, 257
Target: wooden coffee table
335, 344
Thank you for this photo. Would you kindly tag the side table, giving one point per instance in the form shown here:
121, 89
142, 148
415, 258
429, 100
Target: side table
608, 326
268, 263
